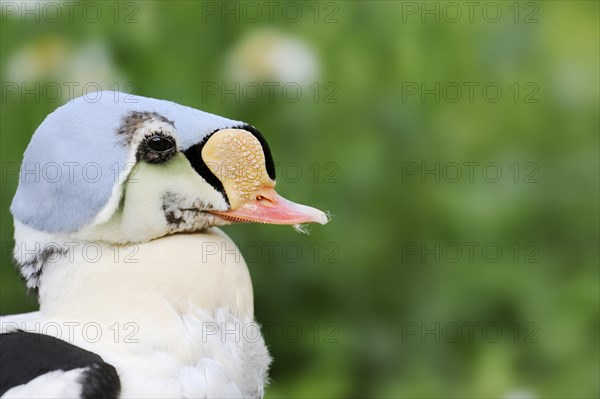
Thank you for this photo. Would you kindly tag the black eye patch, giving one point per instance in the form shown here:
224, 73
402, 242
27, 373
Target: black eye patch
156, 148
194, 156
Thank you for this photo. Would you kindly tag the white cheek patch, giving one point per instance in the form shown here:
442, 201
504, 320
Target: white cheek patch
159, 199
135, 138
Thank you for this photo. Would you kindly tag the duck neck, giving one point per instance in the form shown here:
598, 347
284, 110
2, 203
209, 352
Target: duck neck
176, 274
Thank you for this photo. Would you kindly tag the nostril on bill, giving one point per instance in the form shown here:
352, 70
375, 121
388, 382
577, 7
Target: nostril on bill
264, 200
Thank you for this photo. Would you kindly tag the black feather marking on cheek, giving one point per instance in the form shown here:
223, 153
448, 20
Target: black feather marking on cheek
183, 214
135, 120
269, 164
194, 156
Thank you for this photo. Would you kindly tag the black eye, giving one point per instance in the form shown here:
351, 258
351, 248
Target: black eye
160, 144
157, 149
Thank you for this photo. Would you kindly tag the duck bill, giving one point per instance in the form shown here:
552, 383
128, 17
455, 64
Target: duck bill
272, 208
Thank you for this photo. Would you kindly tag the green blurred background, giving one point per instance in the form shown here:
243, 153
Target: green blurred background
377, 294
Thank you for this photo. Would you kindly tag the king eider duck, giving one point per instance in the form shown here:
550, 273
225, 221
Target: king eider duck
140, 294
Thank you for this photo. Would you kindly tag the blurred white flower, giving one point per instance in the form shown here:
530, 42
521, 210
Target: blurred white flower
39, 59
53, 59
269, 55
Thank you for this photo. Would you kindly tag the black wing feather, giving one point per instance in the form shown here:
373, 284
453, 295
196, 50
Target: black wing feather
25, 356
